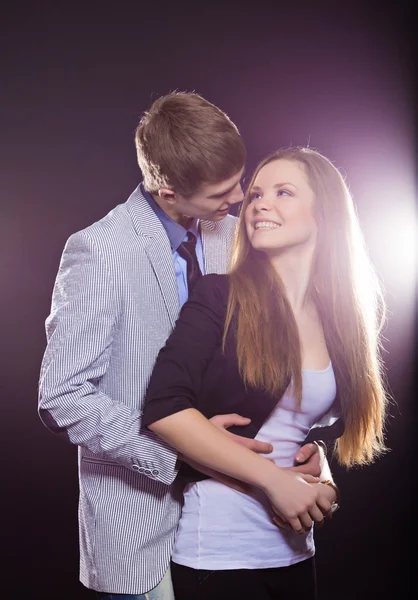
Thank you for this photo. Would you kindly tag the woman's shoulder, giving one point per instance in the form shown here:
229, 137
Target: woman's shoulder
212, 289
214, 282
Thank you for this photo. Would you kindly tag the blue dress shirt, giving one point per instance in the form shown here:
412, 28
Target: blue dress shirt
177, 234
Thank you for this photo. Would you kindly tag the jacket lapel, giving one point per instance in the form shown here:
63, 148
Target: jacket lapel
158, 250
217, 243
161, 259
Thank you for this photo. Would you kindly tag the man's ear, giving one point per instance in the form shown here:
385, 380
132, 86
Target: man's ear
167, 195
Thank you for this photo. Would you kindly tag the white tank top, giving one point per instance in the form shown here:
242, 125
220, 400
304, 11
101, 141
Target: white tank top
221, 528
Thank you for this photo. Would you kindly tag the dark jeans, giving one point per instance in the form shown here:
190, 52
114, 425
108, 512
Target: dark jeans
296, 582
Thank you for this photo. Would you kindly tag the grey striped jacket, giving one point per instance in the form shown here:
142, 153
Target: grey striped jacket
114, 303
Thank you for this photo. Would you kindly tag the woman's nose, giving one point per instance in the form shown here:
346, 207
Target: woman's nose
262, 204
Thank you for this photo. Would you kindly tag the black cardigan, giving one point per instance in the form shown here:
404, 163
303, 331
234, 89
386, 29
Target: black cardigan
191, 370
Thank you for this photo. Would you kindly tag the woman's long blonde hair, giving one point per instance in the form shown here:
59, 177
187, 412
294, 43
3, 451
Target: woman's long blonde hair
346, 292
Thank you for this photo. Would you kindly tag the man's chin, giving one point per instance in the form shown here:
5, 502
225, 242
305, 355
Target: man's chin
217, 216
215, 219
221, 214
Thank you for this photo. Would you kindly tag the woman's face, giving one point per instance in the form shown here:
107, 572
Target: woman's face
279, 215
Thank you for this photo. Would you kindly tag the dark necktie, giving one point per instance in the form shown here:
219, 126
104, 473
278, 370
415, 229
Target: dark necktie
187, 250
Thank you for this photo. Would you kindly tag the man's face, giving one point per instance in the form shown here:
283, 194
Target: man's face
212, 202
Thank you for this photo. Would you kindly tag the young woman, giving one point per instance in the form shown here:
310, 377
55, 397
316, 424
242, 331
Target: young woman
289, 338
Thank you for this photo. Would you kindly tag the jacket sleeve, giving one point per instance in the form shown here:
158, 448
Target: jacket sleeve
177, 376
80, 330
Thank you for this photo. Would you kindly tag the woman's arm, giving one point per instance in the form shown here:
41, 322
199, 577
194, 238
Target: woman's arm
171, 409
290, 494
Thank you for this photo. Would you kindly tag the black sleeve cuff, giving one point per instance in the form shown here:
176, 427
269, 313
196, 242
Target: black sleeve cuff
155, 411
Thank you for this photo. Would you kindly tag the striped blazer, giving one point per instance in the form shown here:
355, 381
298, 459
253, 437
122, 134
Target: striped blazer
114, 304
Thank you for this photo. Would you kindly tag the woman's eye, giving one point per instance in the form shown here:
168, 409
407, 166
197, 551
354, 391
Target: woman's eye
253, 196
284, 193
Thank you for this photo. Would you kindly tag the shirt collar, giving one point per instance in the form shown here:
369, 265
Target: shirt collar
175, 232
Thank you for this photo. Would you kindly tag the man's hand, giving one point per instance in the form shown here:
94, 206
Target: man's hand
225, 421
222, 422
310, 459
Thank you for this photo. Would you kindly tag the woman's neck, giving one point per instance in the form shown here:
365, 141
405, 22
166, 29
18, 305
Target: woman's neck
294, 268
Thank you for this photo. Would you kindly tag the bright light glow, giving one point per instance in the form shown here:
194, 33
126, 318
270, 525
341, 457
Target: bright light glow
392, 239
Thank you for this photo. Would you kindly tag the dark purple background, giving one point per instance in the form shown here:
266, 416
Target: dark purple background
75, 82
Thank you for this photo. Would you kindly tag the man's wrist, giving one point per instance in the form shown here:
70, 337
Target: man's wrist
337, 501
322, 444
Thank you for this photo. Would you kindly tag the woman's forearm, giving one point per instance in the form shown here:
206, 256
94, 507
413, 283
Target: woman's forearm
194, 436
290, 494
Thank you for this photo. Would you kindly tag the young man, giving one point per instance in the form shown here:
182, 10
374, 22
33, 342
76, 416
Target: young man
119, 288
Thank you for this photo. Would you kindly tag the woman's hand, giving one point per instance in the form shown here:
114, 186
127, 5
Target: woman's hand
326, 492
299, 500
293, 495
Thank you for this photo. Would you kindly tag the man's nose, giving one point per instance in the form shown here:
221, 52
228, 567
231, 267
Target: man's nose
236, 196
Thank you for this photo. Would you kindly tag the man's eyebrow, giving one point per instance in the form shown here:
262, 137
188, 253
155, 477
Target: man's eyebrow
224, 193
